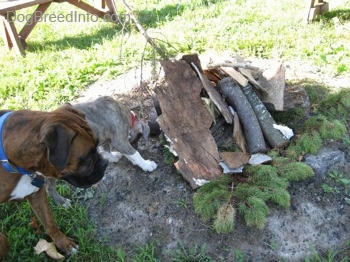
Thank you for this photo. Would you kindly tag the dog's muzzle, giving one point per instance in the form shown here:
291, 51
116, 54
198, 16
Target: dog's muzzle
87, 179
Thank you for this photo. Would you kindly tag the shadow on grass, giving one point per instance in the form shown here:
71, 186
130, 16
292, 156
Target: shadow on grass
79, 41
148, 19
154, 17
323, 100
342, 14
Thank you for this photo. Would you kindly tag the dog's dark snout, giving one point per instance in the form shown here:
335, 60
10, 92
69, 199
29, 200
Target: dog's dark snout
87, 180
103, 163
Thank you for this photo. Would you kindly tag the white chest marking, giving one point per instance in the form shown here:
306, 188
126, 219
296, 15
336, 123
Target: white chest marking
23, 188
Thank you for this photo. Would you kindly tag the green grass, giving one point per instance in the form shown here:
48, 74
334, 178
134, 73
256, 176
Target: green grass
62, 59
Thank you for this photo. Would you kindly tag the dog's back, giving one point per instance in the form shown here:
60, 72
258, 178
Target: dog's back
108, 118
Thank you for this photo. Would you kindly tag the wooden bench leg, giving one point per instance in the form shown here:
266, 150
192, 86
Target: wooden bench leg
33, 20
4, 34
10, 35
314, 8
108, 14
112, 11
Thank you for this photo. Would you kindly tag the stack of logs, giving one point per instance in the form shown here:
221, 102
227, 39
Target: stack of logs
235, 97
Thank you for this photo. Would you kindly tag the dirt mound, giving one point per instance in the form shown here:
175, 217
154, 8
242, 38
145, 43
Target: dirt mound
133, 208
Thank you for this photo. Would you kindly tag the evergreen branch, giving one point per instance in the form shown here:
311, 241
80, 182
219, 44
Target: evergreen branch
225, 218
243, 191
295, 171
206, 204
255, 211
332, 130
280, 197
310, 143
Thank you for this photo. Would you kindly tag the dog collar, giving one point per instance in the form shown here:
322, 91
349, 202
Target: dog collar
36, 181
133, 118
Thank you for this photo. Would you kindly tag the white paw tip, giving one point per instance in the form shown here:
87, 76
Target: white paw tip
74, 250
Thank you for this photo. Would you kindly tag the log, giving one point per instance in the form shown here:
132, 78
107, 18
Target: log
187, 124
236, 98
273, 136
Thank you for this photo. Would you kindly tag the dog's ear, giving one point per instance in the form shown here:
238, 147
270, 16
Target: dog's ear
140, 128
57, 140
145, 129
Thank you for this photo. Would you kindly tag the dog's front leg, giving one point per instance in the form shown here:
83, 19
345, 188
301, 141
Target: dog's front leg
50, 185
40, 206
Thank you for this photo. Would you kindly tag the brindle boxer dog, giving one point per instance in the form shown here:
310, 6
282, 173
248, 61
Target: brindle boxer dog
58, 144
116, 128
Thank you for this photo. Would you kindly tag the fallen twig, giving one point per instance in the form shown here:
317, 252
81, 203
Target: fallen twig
239, 65
143, 31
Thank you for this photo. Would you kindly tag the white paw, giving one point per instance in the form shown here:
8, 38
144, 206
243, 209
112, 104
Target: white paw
74, 250
111, 156
66, 203
149, 166
61, 201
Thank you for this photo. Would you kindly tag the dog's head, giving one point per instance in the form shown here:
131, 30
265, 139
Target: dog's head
138, 130
72, 147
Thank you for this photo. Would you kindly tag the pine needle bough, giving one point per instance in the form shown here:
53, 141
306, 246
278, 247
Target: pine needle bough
220, 200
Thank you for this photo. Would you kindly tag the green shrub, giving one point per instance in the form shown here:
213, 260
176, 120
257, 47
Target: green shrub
219, 199
310, 143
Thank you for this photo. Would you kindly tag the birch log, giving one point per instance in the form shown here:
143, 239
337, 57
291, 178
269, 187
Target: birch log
273, 136
236, 98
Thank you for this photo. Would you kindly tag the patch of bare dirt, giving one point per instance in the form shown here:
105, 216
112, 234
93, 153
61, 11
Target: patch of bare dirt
133, 208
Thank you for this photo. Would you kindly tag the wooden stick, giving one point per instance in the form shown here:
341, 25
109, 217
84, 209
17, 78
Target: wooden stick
143, 31
235, 75
240, 65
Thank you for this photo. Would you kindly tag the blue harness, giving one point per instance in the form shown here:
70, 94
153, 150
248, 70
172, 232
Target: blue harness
36, 181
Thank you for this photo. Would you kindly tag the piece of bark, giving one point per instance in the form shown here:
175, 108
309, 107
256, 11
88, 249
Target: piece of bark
227, 170
273, 136
193, 58
258, 159
214, 95
251, 79
195, 63
246, 71
236, 98
213, 75
235, 75
234, 159
238, 134
186, 122
273, 81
